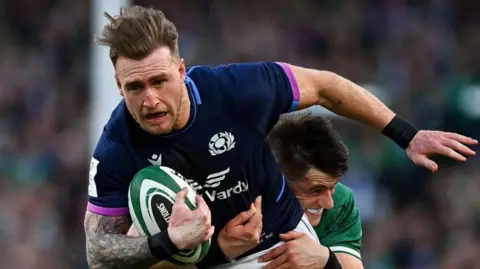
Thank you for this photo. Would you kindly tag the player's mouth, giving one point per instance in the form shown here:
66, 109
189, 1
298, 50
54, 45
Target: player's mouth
155, 117
316, 211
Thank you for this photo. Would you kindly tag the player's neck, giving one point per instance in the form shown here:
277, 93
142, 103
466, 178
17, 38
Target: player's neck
184, 110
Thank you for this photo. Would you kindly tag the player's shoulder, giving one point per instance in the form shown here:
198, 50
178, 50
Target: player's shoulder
116, 124
215, 68
112, 144
112, 160
236, 81
343, 196
232, 71
109, 146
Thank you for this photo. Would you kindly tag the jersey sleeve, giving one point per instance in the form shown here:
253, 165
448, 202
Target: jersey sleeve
109, 179
259, 92
345, 229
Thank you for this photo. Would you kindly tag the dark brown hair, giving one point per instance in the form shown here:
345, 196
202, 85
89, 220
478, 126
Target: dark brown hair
301, 141
137, 32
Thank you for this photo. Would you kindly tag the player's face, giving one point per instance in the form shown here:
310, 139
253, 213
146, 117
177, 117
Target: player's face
154, 90
315, 193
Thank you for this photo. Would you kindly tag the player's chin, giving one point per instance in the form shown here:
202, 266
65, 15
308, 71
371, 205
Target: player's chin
314, 219
159, 130
158, 127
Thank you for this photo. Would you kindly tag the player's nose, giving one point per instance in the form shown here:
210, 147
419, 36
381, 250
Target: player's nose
326, 201
150, 99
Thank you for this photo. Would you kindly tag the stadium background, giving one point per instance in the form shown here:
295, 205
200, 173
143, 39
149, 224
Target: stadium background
420, 57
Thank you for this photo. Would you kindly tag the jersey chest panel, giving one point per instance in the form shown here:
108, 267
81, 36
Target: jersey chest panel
217, 157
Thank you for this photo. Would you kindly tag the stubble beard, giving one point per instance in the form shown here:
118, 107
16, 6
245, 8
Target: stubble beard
179, 110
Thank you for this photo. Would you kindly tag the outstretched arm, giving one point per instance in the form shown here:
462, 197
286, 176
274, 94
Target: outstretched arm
108, 246
343, 97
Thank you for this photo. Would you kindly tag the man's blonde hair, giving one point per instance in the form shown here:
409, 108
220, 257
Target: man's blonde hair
137, 32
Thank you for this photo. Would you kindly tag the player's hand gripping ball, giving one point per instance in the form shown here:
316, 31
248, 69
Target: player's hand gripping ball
151, 197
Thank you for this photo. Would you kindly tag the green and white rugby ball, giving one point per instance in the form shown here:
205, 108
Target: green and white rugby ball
150, 200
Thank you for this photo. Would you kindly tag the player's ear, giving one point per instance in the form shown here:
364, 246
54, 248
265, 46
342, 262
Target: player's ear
181, 68
119, 85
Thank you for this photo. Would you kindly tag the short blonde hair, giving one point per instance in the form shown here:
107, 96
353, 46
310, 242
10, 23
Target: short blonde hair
137, 32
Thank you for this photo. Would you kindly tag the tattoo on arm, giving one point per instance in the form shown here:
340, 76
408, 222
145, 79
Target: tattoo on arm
108, 246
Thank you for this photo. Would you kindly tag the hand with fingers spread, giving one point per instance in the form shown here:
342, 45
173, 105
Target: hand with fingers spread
299, 251
427, 143
242, 233
189, 228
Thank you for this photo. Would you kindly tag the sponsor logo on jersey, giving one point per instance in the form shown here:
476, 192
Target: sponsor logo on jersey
194, 184
212, 184
156, 159
225, 194
214, 180
221, 142
264, 236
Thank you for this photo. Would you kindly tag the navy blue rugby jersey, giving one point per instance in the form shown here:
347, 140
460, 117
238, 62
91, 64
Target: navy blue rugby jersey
222, 151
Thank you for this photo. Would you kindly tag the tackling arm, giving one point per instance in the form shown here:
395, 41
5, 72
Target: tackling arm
108, 246
348, 261
341, 96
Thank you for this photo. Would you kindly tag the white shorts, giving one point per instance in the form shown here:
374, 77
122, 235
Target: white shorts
250, 262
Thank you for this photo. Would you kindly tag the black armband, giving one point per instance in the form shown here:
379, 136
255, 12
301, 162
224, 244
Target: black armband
215, 255
400, 131
332, 262
161, 246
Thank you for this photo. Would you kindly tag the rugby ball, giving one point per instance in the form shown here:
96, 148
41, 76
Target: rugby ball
151, 196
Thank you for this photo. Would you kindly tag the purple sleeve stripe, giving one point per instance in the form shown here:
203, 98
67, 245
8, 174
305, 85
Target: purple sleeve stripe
108, 211
293, 84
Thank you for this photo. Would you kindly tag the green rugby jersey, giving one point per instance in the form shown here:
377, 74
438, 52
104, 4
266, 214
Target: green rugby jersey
340, 228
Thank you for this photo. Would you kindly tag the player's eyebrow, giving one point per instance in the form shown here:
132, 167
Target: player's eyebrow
134, 83
159, 77
322, 186
316, 187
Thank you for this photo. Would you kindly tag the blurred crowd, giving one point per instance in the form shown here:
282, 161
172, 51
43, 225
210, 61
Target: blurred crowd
417, 56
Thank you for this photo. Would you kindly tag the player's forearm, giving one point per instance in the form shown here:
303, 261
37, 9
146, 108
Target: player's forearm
348, 261
118, 251
343, 97
108, 247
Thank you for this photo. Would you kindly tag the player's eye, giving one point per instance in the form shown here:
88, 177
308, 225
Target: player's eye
134, 87
158, 82
319, 190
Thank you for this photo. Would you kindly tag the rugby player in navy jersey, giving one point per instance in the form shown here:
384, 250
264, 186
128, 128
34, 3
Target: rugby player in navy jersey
210, 125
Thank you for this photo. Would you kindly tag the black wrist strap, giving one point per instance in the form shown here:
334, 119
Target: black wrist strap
332, 262
161, 246
400, 131
215, 255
